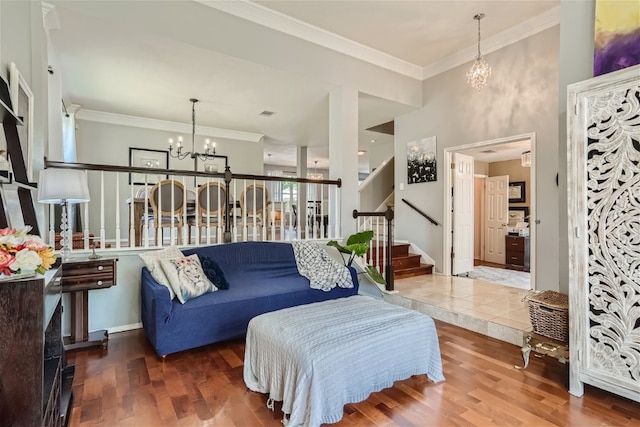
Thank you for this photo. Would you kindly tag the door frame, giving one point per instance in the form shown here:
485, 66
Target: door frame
448, 188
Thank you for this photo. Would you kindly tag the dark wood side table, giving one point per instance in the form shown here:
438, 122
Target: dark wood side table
78, 278
516, 252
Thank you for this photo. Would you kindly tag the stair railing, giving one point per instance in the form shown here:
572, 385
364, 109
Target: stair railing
412, 206
387, 239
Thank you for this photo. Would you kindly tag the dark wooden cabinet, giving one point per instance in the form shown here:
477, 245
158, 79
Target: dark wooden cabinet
35, 380
78, 278
517, 252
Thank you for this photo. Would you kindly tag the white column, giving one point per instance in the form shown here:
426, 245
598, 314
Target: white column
301, 171
343, 153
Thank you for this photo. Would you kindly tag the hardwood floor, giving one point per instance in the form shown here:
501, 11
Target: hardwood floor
128, 385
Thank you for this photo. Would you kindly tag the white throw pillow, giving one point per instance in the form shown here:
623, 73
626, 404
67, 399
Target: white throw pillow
152, 262
186, 277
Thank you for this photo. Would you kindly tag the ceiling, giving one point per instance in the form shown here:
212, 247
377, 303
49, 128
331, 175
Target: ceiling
147, 58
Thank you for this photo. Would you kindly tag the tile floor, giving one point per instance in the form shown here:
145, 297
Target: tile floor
491, 309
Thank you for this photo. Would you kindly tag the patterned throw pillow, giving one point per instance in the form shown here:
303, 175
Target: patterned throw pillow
186, 277
152, 262
214, 272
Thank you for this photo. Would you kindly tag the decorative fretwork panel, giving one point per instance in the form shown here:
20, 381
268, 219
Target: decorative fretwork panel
613, 206
603, 194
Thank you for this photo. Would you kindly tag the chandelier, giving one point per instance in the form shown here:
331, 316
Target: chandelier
480, 71
525, 159
209, 147
315, 175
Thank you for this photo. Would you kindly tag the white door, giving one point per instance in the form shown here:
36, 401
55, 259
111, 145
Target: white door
497, 212
462, 216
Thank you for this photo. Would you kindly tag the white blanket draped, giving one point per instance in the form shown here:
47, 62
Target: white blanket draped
316, 264
316, 358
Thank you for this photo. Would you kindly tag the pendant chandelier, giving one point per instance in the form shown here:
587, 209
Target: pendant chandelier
525, 159
315, 175
480, 71
209, 147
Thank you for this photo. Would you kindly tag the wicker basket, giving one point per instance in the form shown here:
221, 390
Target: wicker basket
549, 313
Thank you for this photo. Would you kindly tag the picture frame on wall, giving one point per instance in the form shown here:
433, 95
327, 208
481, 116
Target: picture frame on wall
22, 103
147, 158
518, 214
422, 160
517, 192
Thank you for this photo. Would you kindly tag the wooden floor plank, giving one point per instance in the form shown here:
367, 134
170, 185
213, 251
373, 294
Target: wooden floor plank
128, 385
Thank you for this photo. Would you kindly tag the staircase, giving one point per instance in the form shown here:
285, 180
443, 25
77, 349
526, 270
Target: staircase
404, 263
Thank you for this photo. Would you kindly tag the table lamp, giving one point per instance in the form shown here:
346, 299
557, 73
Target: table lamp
59, 187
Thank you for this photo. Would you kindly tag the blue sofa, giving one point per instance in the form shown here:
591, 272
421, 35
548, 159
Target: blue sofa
262, 277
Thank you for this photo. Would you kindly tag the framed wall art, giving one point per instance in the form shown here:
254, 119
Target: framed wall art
22, 102
147, 158
517, 192
518, 214
421, 160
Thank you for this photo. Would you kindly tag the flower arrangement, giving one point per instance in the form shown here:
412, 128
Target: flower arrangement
21, 252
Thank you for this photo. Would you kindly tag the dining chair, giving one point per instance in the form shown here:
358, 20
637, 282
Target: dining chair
210, 207
167, 203
253, 202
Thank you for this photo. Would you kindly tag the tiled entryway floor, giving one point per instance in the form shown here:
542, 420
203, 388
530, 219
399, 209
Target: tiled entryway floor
488, 308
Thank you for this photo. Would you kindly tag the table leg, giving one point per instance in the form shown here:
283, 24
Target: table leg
138, 212
80, 335
526, 351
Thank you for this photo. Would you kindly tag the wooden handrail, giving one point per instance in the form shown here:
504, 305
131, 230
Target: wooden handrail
431, 220
226, 175
388, 215
114, 168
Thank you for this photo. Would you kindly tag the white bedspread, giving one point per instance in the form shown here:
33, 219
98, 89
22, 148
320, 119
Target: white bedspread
316, 358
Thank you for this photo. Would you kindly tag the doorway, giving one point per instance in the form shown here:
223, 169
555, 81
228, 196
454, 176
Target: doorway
501, 149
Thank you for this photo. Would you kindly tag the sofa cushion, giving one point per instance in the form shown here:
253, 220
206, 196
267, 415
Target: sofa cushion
187, 278
152, 262
213, 272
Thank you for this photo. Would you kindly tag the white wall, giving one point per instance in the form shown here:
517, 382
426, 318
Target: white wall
105, 143
576, 64
520, 98
378, 153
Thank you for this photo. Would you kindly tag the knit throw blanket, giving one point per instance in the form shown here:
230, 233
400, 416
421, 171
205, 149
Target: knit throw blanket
315, 264
318, 357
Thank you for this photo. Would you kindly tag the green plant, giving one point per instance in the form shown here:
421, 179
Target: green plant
358, 245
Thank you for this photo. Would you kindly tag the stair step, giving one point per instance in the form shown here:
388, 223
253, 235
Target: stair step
413, 271
407, 261
398, 249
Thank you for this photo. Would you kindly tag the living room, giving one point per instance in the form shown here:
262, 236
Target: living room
527, 94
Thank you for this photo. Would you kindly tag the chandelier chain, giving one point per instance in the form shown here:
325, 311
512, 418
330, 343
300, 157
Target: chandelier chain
209, 150
479, 18
480, 71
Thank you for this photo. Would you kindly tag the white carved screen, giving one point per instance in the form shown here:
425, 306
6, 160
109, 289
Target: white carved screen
603, 179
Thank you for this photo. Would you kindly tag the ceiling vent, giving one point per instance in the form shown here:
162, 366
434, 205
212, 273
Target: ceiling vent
266, 113
488, 151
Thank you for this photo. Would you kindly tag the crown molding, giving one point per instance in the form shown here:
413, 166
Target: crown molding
275, 20
509, 36
163, 125
50, 19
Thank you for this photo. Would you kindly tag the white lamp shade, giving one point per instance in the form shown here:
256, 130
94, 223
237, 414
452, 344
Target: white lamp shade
58, 185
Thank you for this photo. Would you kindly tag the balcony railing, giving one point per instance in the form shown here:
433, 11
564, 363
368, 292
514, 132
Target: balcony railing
122, 212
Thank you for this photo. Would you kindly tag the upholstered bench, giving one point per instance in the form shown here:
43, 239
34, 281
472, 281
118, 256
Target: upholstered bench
316, 358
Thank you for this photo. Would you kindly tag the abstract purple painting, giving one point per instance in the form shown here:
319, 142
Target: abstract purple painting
617, 35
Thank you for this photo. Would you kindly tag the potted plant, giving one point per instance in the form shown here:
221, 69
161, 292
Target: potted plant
358, 245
